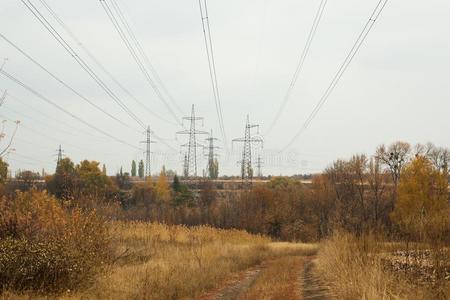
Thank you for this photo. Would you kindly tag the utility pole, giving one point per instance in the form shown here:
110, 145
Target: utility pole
259, 166
212, 172
191, 163
147, 152
246, 163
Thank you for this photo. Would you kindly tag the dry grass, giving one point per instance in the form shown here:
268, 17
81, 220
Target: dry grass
156, 261
354, 270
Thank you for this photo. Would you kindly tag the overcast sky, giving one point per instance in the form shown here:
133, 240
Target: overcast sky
397, 88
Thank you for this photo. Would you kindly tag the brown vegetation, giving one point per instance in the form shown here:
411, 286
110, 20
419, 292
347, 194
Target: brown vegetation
45, 247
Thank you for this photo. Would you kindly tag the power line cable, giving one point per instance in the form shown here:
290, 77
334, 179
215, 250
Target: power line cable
66, 85
18, 82
359, 42
35, 131
79, 60
299, 68
48, 116
136, 57
212, 67
144, 55
99, 64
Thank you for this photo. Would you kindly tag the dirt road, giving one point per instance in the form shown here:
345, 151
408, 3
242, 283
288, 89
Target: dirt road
285, 279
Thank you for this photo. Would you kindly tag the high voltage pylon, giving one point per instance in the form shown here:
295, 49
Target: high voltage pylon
185, 166
148, 141
259, 165
59, 154
191, 163
212, 167
246, 163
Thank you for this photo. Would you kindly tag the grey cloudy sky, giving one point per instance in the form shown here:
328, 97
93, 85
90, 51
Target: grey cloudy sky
397, 88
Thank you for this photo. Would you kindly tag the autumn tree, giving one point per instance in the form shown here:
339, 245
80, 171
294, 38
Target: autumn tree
162, 188
91, 178
378, 187
3, 171
394, 156
182, 194
422, 210
141, 169
438, 156
133, 168
213, 169
27, 179
123, 180
62, 183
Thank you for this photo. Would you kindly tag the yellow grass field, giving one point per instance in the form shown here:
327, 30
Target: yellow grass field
156, 261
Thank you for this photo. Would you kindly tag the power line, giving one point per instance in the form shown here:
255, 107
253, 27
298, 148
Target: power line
144, 55
134, 54
212, 66
79, 60
359, 41
303, 56
18, 82
35, 131
35, 120
31, 162
97, 62
47, 116
66, 85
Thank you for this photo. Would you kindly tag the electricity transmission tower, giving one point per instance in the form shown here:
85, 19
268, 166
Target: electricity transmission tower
148, 152
246, 163
259, 164
60, 155
191, 162
212, 167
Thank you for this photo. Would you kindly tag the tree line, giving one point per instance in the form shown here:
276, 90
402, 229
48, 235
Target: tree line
400, 190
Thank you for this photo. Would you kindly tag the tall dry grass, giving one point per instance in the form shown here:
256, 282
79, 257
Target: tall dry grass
353, 269
169, 262
156, 261
351, 272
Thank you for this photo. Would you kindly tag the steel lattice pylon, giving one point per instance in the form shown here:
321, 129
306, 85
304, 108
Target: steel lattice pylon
148, 141
246, 163
190, 167
211, 167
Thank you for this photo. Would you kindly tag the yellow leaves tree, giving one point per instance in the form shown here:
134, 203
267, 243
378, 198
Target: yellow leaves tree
162, 188
422, 209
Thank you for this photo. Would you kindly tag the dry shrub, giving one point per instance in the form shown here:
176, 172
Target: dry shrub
47, 248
